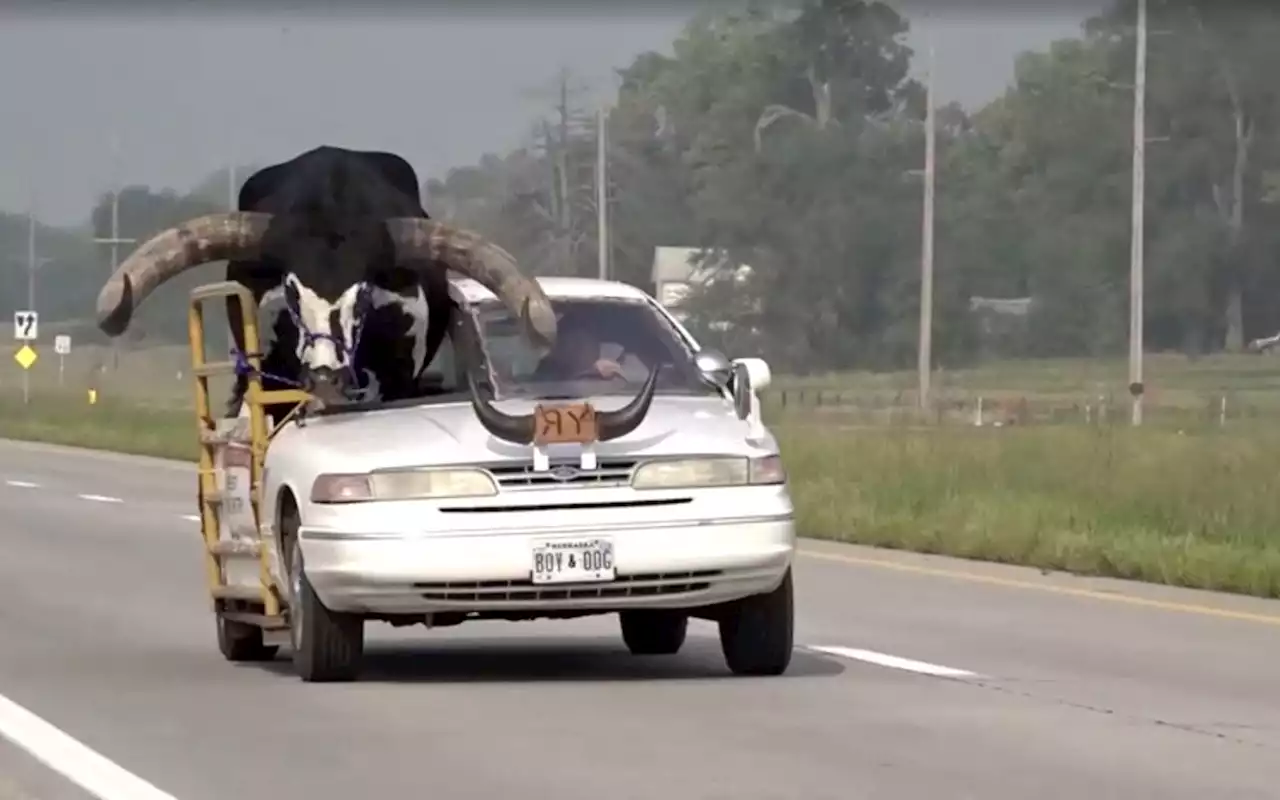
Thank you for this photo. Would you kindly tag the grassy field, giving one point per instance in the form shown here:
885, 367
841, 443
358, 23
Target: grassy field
1175, 384
1179, 391
1185, 500
1152, 504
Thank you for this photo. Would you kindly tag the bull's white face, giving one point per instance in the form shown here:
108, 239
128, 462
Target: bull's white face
337, 321
330, 323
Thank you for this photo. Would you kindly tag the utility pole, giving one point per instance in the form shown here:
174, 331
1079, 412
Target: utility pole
115, 241
925, 351
1139, 207
602, 193
31, 289
31, 258
33, 264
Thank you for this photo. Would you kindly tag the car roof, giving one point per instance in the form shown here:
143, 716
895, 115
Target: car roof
556, 287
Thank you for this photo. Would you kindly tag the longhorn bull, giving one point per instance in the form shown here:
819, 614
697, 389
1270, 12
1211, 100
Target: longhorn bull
343, 237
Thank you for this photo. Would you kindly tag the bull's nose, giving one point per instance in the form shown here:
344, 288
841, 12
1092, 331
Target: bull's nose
326, 385
323, 375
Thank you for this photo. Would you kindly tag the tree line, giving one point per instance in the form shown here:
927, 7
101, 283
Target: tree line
789, 137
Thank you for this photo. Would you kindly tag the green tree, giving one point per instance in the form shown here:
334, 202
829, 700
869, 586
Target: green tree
1211, 93
788, 136
801, 167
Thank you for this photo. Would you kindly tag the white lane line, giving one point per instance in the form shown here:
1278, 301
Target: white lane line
99, 498
88, 769
191, 517
23, 484
893, 662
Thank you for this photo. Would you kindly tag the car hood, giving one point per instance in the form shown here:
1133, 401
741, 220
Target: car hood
451, 434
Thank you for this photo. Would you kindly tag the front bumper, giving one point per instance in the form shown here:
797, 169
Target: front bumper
678, 564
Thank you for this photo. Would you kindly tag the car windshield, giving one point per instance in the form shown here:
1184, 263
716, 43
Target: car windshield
603, 347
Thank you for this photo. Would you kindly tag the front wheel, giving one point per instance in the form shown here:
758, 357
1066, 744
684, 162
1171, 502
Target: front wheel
328, 646
757, 632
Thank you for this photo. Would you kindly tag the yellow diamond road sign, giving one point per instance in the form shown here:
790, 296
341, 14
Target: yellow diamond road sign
25, 357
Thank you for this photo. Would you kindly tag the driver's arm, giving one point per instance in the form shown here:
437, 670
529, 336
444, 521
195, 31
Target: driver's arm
607, 368
633, 368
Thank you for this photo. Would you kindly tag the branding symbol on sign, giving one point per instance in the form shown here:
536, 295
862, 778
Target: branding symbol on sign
26, 325
62, 344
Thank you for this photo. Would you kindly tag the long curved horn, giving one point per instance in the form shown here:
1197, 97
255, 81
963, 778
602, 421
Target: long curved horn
616, 424
511, 427
519, 428
214, 237
469, 253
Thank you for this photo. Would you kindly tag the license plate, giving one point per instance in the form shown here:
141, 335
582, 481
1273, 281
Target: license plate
575, 561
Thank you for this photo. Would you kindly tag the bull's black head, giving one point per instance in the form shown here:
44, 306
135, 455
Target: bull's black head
330, 229
327, 280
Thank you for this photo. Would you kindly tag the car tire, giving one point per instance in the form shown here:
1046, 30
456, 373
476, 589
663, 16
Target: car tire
654, 633
240, 641
757, 633
328, 646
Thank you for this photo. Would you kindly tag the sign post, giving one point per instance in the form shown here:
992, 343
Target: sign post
26, 326
62, 346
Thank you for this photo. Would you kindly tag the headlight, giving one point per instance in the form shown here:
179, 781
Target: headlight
341, 489
403, 484
768, 469
696, 473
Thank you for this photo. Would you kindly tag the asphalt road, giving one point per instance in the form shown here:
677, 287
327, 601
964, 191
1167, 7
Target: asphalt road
915, 677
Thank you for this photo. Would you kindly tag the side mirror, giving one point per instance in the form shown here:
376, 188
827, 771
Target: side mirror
715, 368
742, 390
758, 370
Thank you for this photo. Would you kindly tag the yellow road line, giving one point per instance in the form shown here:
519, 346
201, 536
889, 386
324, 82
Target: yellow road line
1012, 583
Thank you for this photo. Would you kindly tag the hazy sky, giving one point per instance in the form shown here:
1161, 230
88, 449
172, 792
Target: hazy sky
185, 95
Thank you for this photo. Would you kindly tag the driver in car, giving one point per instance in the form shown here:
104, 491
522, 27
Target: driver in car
576, 354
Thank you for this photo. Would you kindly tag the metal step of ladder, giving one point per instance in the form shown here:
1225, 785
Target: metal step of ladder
248, 432
222, 551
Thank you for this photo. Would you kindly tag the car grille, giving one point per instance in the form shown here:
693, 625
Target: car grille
666, 583
525, 508
609, 472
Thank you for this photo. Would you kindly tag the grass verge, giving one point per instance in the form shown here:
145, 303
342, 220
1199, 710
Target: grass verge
1153, 504
117, 425
1193, 509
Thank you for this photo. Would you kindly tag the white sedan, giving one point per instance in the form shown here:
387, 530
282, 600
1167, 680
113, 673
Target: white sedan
416, 512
